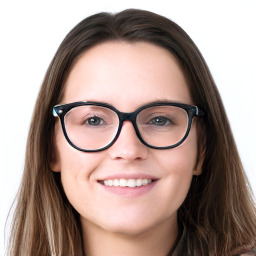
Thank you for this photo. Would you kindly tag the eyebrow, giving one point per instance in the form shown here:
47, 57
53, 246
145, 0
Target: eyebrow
164, 100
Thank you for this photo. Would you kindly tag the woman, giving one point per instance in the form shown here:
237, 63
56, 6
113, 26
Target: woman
137, 157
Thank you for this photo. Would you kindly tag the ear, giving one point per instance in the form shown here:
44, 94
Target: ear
200, 160
55, 165
201, 147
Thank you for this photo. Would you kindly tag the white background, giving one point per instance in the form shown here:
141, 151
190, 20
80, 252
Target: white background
30, 32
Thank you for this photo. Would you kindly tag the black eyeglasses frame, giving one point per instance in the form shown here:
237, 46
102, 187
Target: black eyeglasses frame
61, 110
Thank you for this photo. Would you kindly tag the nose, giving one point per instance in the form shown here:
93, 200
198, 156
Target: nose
128, 146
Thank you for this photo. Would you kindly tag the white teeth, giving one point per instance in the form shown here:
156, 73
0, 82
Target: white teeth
131, 183
116, 183
127, 183
122, 183
144, 182
139, 182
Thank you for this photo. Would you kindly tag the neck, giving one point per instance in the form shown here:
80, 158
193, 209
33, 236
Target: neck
156, 241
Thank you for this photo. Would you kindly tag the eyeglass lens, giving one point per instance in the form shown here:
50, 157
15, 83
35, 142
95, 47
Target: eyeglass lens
92, 127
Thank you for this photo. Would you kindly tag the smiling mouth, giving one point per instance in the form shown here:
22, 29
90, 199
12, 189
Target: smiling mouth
132, 183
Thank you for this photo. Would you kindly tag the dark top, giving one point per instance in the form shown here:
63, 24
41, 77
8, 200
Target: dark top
180, 247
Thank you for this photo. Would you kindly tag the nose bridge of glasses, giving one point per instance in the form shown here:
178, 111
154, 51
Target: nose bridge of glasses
131, 117
128, 117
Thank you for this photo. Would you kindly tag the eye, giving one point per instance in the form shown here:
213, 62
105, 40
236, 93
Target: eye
94, 120
160, 120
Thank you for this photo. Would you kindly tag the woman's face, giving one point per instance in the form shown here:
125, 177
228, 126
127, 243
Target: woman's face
127, 76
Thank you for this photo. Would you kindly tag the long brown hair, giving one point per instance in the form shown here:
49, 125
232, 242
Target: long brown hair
219, 212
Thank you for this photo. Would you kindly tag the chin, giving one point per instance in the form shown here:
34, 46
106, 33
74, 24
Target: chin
132, 225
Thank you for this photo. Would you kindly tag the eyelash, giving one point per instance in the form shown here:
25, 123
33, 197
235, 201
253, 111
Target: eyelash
165, 119
93, 118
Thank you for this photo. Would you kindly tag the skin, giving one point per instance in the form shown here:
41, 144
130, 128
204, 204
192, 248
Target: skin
127, 76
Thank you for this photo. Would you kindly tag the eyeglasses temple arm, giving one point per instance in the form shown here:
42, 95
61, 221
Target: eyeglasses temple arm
199, 112
54, 112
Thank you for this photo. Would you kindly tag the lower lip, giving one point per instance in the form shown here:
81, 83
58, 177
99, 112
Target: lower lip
128, 191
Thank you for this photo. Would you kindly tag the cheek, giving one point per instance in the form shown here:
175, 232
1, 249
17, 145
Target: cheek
178, 165
72, 161
182, 159
76, 168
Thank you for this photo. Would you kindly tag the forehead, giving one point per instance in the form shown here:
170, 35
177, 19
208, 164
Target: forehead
126, 74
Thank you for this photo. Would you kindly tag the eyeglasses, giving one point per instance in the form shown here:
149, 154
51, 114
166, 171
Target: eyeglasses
94, 126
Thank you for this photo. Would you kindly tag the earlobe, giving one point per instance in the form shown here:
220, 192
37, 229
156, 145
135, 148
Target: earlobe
54, 155
55, 161
201, 147
198, 170
199, 165
54, 166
